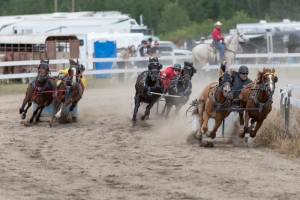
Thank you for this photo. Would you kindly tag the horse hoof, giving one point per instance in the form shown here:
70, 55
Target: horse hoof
57, 116
132, 124
74, 119
143, 117
208, 145
23, 116
213, 136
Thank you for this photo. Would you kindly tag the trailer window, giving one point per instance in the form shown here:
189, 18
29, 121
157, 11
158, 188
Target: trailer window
62, 46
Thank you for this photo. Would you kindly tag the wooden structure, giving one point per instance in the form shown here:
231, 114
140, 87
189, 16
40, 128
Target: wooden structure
40, 47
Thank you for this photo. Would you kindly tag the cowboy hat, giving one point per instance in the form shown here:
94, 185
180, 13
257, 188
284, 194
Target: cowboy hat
218, 23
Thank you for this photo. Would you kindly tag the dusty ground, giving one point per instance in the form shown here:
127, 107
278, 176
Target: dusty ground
101, 157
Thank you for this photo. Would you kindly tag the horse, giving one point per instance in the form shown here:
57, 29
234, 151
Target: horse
257, 98
179, 86
214, 96
146, 83
7, 57
40, 91
70, 90
206, 52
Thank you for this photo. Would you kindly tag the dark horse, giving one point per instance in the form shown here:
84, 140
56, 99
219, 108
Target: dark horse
179, 86
40, 91
70, 90
8, 57
257, 95
147, 82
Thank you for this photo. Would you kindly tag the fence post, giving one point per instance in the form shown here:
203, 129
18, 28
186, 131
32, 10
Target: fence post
285, 109
287, 113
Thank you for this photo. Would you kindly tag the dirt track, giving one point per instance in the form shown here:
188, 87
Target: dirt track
101, 157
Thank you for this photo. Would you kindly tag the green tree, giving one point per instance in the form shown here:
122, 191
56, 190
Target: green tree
173, 17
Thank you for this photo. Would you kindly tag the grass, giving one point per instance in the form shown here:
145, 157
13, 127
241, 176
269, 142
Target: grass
272, 133
92, 82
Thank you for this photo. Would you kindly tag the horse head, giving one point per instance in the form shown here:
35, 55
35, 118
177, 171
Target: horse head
268, 79
188, 71
153, 68
74, 71
233, 42
43, 70
225, 82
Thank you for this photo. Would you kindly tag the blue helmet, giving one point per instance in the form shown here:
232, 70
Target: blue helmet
177, 66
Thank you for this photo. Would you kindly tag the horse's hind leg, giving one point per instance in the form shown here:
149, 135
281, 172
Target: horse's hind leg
71, 110
62, 107
163, 111
246, 124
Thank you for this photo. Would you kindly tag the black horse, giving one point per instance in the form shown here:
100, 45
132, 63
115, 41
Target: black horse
147, 82
180, 86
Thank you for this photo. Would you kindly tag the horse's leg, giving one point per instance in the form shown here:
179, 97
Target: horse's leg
252, 125
74, 103
147, 112
35, 112
215, 128
37, 119
62, 107
169, 106
258, 125
241, 114
247, 117
23, 116
137, 104
205, 123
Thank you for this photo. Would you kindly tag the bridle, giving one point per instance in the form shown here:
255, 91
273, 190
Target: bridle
259, 104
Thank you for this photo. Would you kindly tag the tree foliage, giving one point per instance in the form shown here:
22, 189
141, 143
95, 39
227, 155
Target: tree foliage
171, 19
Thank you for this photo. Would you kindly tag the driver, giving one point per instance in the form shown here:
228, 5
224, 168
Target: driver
169, 73
240, 78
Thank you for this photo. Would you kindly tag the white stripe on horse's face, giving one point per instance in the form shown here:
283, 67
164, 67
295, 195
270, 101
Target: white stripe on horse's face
74, 76
271, 83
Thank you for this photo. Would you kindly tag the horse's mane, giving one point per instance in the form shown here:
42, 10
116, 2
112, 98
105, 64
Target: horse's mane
260, 74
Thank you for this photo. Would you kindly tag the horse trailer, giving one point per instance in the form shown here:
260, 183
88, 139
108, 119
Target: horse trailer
39, 47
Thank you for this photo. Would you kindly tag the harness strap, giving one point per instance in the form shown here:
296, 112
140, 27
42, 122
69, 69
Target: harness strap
214, 101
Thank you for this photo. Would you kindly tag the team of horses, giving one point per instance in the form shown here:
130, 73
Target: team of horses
43, 90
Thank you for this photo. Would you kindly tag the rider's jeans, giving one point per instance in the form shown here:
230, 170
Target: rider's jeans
221, 47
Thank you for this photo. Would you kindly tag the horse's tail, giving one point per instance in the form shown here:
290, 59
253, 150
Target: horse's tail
193, 109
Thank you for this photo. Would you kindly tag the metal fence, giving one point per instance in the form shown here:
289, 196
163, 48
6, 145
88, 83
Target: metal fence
286, 100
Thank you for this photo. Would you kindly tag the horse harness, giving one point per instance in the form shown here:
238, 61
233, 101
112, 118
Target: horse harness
256, 89
149, 88
212, 97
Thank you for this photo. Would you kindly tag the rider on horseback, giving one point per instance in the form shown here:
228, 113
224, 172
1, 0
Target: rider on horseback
240, 78
217, 37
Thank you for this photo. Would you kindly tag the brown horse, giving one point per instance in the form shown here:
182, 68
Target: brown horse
70, 90
258, 97
214, 96
40, 91
8, 69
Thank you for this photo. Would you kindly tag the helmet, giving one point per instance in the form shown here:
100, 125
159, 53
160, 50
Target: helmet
82, 68
243, 70
153, 59
177, 66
